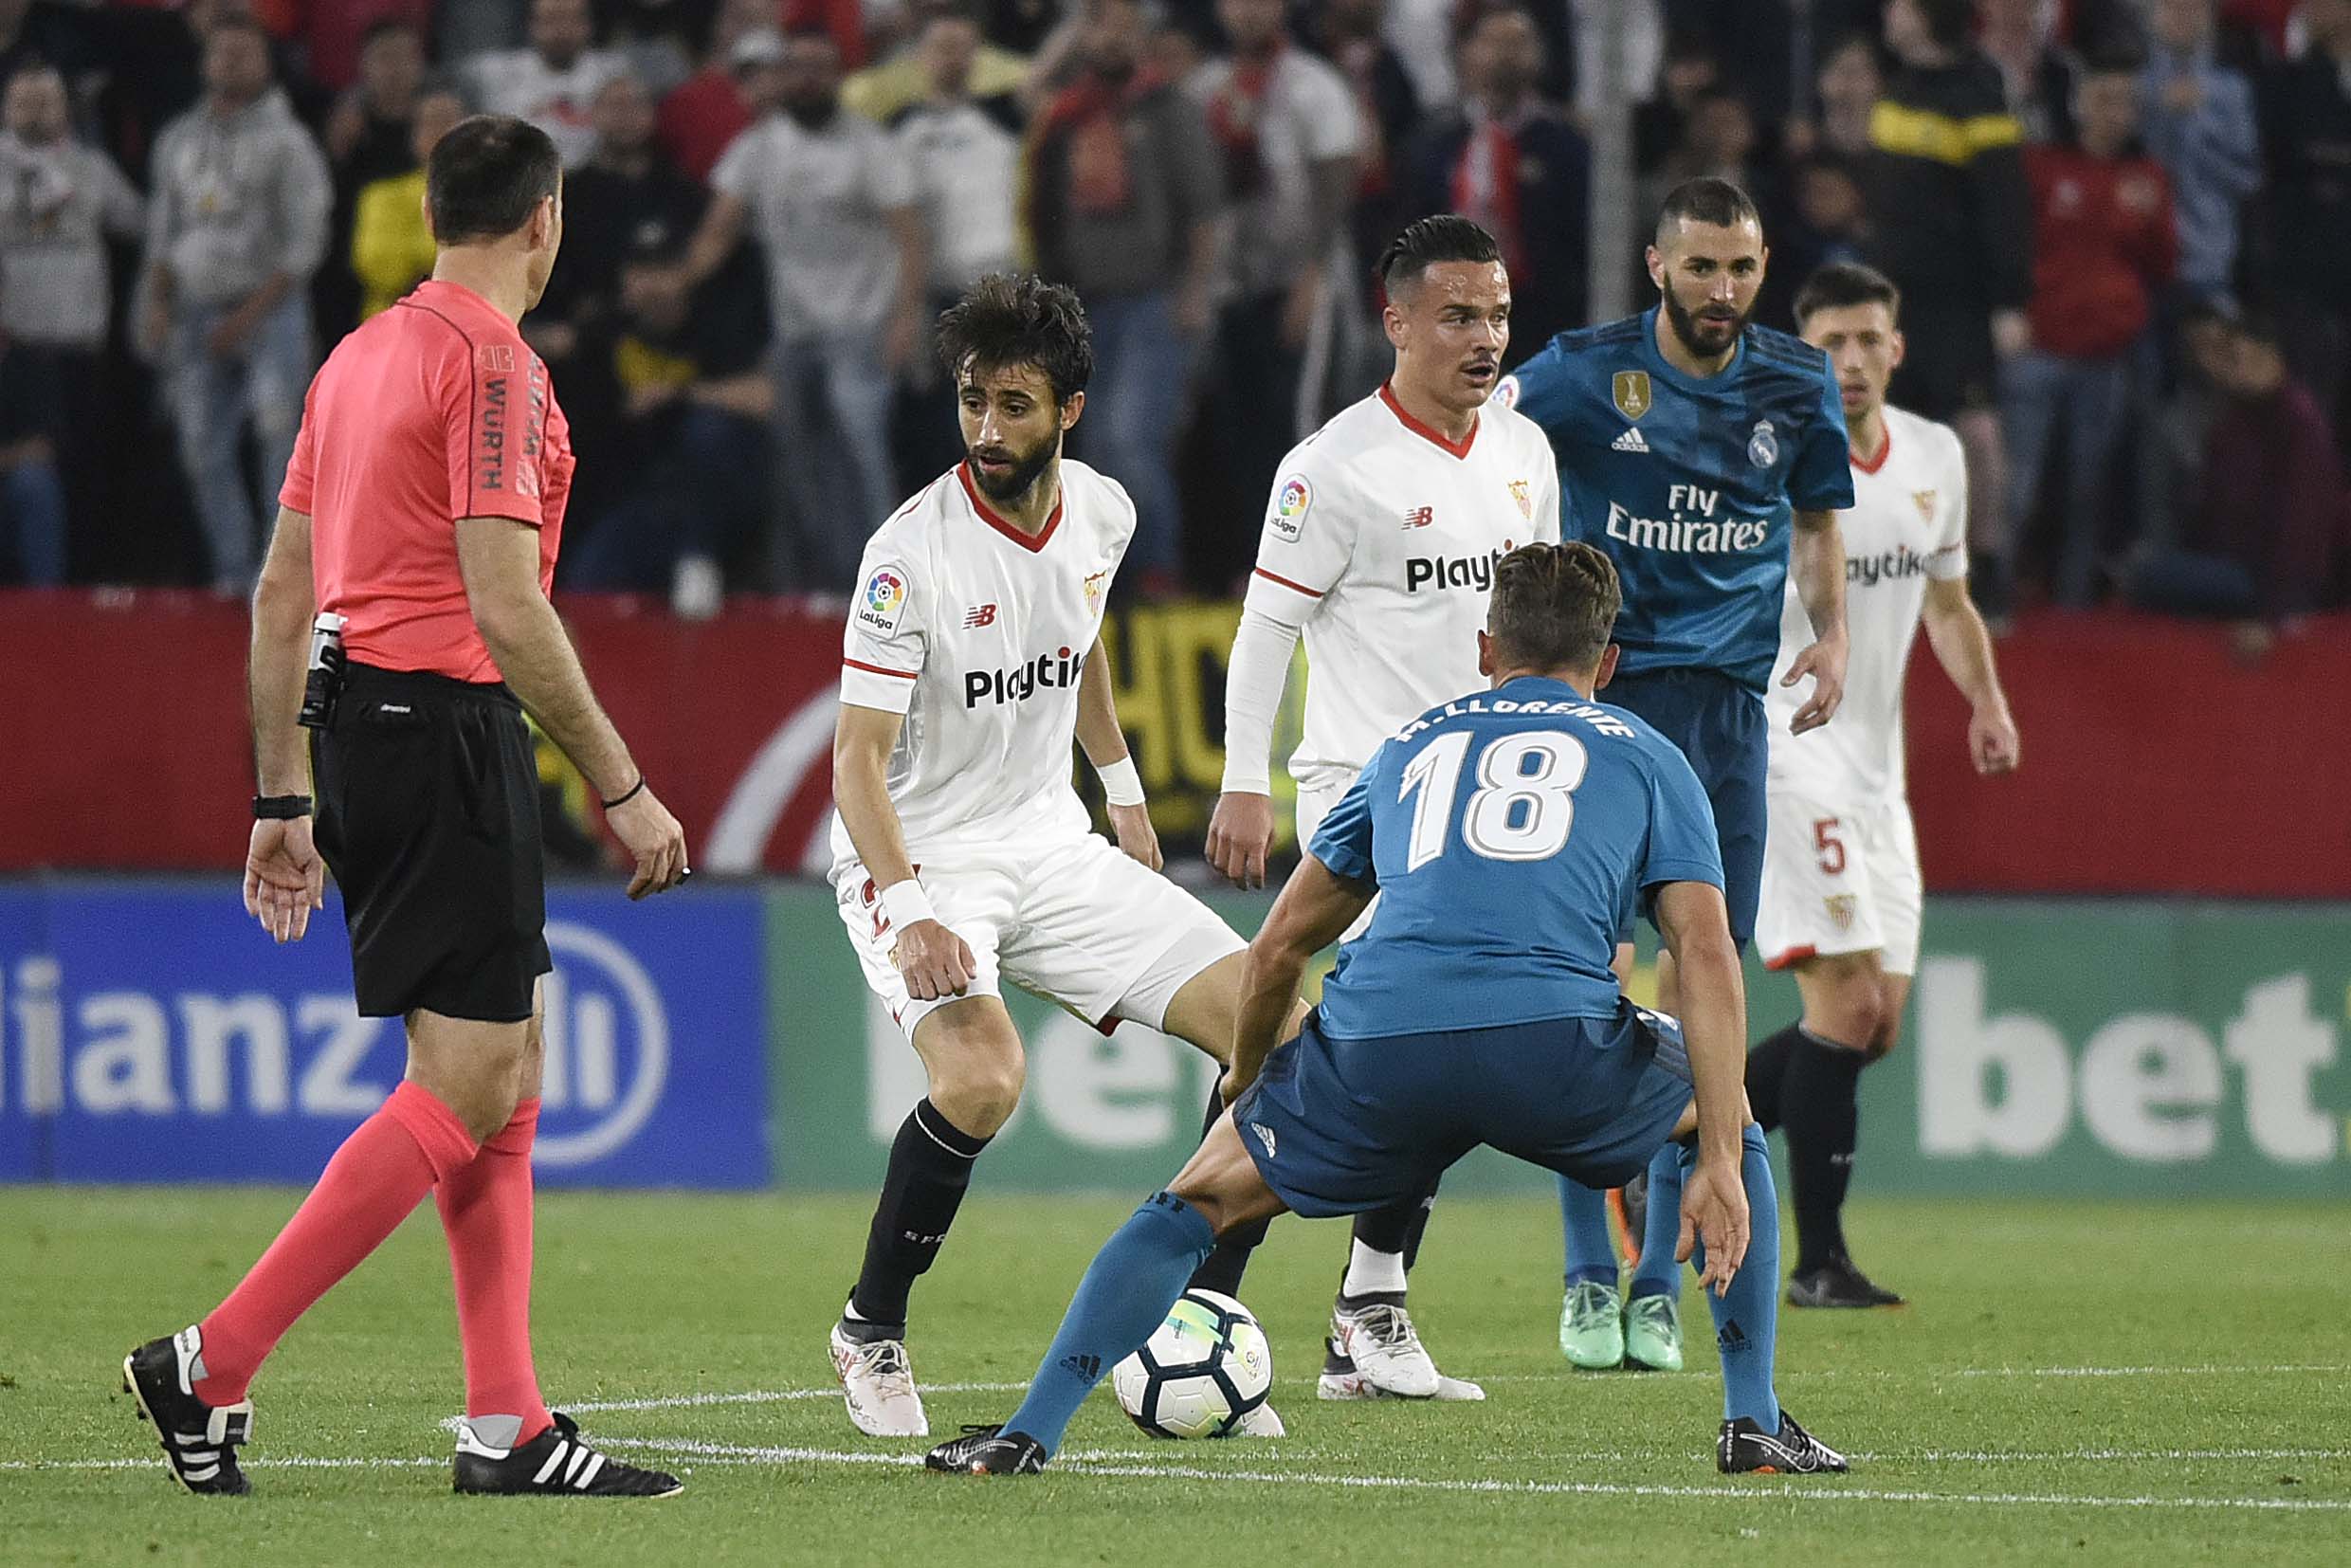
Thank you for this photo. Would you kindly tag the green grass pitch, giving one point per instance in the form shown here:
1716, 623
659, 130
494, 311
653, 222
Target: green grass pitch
2076, 1383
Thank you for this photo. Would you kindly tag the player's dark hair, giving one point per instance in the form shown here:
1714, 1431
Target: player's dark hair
1553, 607
1844, 283
1717, 203
486, 176
1019, 319
1425, 242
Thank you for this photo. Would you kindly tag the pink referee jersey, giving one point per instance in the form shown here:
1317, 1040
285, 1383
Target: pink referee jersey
433, 411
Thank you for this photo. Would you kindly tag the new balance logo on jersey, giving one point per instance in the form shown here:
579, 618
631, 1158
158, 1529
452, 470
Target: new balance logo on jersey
1686, 536
1629, 442
1059, 669
1420, 516
979, 615
1453, 571
1900, 562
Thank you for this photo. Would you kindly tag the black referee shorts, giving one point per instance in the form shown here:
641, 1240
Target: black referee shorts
1948, 365
428, 802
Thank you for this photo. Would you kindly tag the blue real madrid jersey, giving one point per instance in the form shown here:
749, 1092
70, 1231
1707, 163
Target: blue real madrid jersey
1689, 485
1509, 834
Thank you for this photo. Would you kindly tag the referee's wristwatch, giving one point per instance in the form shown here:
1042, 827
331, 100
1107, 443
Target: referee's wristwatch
280, 808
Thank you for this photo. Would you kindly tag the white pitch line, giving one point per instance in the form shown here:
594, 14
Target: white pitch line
765, 1397
294, 1462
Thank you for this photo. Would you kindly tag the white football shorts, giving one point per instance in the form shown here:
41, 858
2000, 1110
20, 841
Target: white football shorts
1839, 879
1068, 918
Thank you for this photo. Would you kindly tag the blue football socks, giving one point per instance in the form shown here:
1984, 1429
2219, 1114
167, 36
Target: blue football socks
1746, 1318
1657, 1274
1120, 1303
1583, 1225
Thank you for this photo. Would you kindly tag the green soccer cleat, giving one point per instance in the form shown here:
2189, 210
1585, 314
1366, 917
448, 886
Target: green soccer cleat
1653, 1332
1592, 1327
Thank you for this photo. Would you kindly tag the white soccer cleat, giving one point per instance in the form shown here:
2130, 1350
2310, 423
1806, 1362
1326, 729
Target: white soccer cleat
1379, 1338
1261, 1422
878, 1383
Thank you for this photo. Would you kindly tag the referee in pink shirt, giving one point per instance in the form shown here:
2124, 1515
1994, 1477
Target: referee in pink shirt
421, 515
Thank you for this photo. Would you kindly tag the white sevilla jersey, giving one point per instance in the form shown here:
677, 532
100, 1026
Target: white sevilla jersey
1380, 539
1908, 524
978, 633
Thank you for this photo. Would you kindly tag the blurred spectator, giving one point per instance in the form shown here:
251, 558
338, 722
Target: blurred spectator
2103, 246
335, 35
2308, 137
2170, 492
832, 205
367, 138
1826, 219
236, 226
2036, 71
1689, 72
1717, 140
2271, 542
1347, 33
660, 40
1020, 26
59, 202
696, 396
1517, 166
553, 81
466, 30
708, 110
963, 150
390, 245
1421, 33
33, 493
1850, 84
1124, 196
2199, 125
1286, 123
1951, 223
31, 33
991, 74
1644, 24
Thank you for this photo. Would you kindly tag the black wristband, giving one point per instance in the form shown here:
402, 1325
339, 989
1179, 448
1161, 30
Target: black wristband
280, 808
633, 791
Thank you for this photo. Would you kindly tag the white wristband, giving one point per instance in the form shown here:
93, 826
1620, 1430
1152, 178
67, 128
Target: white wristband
905, 903
1121, 784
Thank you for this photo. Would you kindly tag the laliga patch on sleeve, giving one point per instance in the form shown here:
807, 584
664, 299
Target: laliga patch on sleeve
1505, 394
1289, 508
881, 604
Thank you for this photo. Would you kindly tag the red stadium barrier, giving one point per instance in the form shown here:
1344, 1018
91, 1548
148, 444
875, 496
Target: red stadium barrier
2154, 762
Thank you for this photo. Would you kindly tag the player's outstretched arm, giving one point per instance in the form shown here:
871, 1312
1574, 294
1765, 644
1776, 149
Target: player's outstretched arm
284, 879
499, 559
1104, 745
1817, 561
1695, 925
934, 960
1962, 644
1315, 909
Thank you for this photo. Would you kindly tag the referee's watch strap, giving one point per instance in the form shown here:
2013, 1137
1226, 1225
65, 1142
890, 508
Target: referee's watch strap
280, 808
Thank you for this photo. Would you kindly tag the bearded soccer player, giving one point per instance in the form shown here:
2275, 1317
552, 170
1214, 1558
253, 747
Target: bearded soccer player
962, 857
1505, 833
1708, 458
1380, 545
423, 506
1840, 887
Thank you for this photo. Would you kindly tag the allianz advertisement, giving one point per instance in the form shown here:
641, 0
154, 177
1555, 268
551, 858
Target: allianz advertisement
150, 1031
722, 1038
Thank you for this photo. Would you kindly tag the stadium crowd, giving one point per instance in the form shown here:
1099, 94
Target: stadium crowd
2115, 224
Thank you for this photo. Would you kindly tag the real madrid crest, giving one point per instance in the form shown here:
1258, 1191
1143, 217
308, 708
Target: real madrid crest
1631, 391
1762, 445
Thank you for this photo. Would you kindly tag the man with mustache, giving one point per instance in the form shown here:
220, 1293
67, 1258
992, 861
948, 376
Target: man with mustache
1379, 546
1707, 457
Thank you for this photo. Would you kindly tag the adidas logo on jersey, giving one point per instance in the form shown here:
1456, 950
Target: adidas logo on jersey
1629, 442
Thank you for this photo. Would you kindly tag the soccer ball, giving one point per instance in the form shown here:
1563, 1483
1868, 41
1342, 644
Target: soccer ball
1205, 1368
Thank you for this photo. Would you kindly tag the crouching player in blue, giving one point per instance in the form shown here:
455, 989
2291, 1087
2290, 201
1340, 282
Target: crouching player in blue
1509, 834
